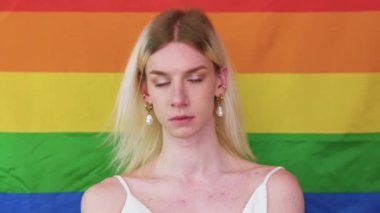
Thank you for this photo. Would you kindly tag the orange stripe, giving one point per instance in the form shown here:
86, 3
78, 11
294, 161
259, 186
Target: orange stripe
55, 42
302, 42
257, 42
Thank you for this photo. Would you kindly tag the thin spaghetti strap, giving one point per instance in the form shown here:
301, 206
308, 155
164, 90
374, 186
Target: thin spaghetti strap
124, 184
271, 173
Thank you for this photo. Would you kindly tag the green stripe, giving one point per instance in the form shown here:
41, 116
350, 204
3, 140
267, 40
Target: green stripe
51, 162
324, 162
62, 162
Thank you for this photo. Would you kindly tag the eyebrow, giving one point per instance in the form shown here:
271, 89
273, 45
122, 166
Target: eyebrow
192, 70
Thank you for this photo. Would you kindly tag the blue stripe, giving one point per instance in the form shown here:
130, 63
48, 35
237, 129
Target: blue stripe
68, 202
65, 202
343, 202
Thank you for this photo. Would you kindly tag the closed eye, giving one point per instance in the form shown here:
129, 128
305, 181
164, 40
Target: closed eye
195, 80
162, 84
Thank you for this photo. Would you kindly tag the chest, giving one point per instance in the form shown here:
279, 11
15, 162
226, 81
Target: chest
218, 196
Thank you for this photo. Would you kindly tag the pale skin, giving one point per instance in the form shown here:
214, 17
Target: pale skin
193, 173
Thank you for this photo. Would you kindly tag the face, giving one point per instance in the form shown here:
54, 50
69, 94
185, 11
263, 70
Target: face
181, 83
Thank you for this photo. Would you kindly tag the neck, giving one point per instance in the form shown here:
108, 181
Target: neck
191, 158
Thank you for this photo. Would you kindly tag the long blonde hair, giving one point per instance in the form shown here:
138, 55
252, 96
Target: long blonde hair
136, 144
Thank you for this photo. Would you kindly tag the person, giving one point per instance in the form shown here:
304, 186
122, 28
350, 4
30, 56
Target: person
179, 141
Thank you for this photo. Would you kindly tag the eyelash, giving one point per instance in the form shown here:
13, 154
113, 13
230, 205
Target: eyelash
196, 80
162, 84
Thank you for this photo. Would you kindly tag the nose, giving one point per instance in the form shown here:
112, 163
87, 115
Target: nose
179, 95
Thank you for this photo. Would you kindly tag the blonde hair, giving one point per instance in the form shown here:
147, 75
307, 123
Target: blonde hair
135, 143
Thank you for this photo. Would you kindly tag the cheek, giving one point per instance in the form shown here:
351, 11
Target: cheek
203, 101
159, 103
205, 93
155, 95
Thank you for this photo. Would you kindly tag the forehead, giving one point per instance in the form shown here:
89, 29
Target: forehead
176, 57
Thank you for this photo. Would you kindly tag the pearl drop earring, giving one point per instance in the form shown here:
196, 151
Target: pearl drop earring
219, 108
149, 117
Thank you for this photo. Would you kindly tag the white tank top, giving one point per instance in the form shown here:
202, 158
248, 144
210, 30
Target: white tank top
257, 203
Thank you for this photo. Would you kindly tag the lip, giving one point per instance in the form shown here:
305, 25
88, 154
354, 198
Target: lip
181, 119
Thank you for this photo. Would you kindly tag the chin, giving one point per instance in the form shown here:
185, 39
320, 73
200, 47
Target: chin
183, 132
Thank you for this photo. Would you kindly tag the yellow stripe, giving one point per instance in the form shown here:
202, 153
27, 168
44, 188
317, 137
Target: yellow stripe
317, 103
257, 42
56, 102
82, 102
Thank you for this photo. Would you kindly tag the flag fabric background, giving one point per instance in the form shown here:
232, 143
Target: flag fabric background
307, 73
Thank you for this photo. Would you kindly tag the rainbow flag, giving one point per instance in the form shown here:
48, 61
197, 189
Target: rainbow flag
308, 75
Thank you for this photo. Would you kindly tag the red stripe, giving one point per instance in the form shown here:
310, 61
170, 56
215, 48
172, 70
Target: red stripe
210, 5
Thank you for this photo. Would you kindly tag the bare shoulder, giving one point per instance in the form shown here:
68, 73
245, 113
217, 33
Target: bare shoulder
106, 196
284, 193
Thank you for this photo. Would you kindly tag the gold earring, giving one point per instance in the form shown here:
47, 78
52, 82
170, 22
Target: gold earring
149, 117
219, 109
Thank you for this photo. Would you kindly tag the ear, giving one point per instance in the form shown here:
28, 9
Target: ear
144, 91
221, 83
